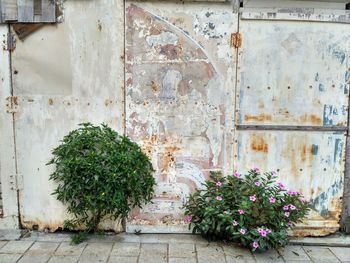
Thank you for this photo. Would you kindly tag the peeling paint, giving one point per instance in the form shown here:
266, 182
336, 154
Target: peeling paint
185, 61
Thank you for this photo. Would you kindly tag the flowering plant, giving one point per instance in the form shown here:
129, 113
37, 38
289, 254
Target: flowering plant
253, 210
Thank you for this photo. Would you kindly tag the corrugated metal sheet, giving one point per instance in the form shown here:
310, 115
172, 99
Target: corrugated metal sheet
180, 74
65, 75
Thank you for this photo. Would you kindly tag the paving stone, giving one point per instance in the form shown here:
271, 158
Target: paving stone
11, 234
63, 259
268, 256
320, 254
98, 248
93, 258
126, 249
237, 254
298, 261
36, 258
39, 248
342, 253
2, 243
182, 260
9, 258
210, 253
294, 253
96, 253
181, 250
66, 249
155, 253
16, 247
115, 259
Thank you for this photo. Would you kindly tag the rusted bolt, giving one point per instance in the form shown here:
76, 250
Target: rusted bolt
333, 86
324, 169
288, 87
310, 87
278, 170
300, 169
268, 87
15, 72
248, 87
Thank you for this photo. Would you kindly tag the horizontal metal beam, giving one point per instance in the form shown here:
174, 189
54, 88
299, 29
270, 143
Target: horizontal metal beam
292, 128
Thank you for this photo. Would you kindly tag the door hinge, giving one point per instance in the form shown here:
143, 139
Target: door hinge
236, 40
12, 104
10, 44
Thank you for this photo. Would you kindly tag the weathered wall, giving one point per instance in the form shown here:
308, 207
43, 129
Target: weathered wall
180, 74
64, 75
7, 153
192, 101
301, 85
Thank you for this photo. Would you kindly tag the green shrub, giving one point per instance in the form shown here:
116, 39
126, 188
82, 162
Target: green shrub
100, 174
252, 210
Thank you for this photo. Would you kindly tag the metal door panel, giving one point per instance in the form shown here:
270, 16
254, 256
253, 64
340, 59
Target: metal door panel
309, 162
180, 76
64, 75
293, 73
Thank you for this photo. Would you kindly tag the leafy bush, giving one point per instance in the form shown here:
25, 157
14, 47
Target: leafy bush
252, 210
100, 174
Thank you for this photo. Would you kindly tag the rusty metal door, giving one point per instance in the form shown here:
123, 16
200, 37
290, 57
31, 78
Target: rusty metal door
292, 108
180, 78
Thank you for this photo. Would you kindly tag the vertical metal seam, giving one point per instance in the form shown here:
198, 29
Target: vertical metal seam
235, 107
124, 67
14, 133
123, 220
344, 222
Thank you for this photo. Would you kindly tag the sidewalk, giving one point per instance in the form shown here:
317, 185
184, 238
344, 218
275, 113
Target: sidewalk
153, 248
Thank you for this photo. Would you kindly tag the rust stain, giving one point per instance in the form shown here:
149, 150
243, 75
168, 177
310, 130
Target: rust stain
167, 158
258, 144
311, 118
99, 25
259, 118
171, 51
236, 40
154, 86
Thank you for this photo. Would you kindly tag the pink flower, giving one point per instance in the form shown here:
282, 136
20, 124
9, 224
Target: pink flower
260, 229
292, 207
242, 231
188, 219
241, 212
281, 185
286, 208
234, 222
219, 198
263, 233
286, 214
257, 184
289, 192
252, 198
255, 245
237, 174
218, 184
269, 231
303, 200
290, 223
272, 200
256, 169
274, 173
